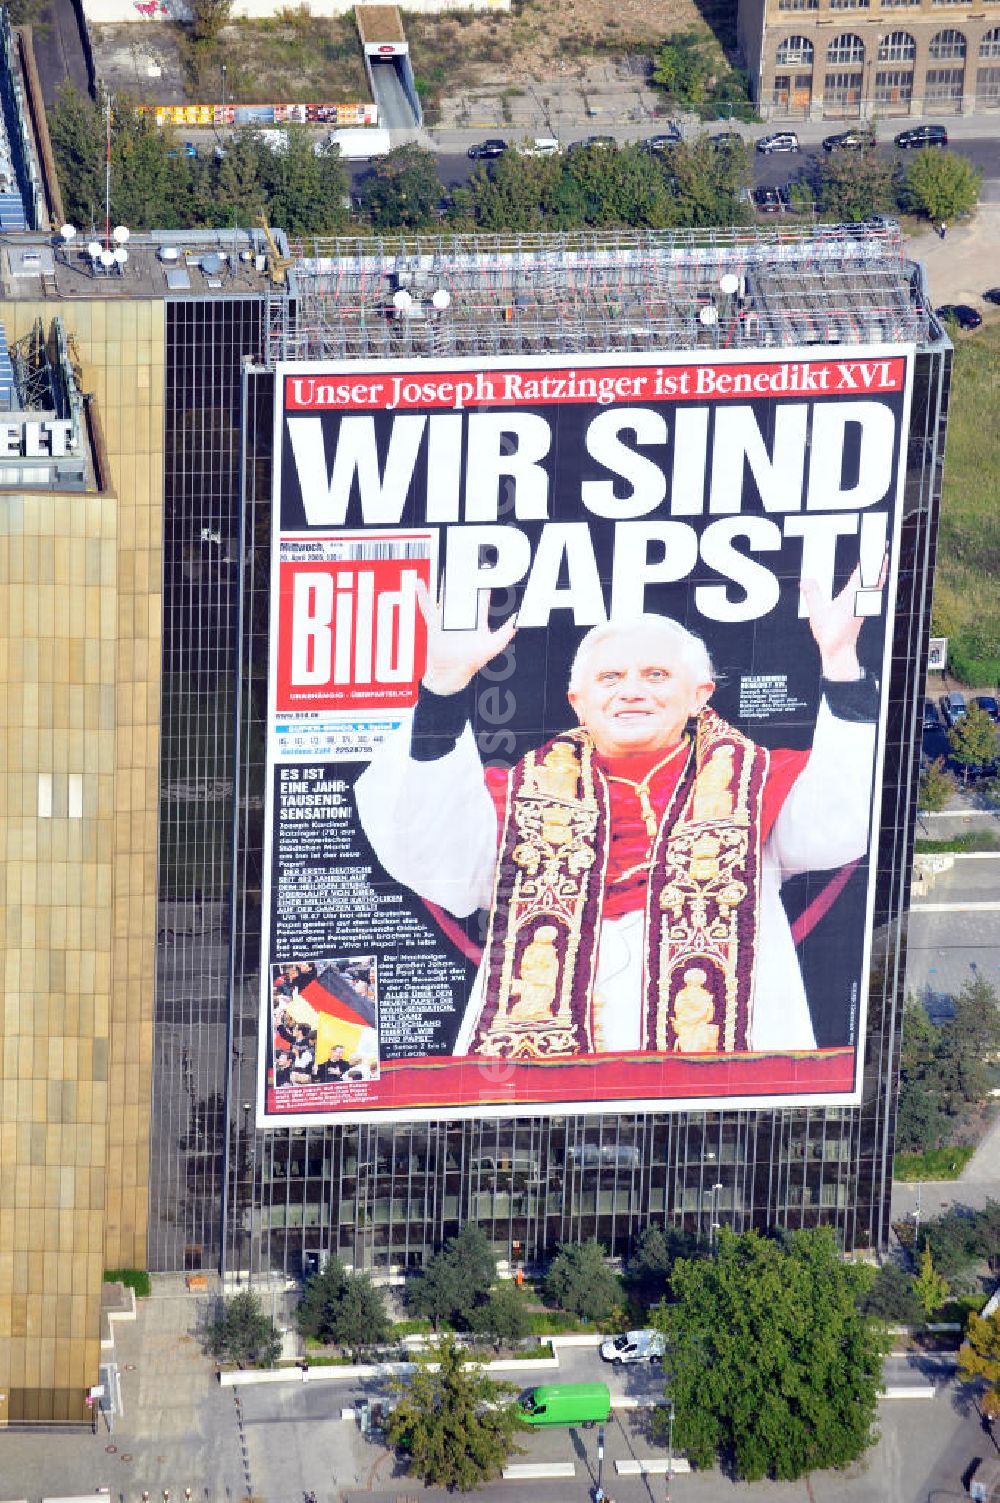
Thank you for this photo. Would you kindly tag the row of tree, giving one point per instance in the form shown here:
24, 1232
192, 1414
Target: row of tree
155, 184
944, 1066
774, 1346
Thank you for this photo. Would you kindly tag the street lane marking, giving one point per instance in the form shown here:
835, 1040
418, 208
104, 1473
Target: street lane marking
955, 908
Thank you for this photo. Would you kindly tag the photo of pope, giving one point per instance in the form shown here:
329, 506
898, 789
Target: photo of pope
631, 867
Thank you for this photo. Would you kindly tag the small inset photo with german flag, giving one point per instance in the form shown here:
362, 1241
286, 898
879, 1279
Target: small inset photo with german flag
325, 1021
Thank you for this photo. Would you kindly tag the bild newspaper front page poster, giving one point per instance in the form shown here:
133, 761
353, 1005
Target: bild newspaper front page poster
575, 730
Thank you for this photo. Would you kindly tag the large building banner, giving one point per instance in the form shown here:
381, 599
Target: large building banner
575, 729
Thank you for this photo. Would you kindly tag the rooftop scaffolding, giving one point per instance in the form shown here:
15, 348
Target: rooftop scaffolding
517, 295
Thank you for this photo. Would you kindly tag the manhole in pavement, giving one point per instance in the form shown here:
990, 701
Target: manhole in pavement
111, 1450
126, 1456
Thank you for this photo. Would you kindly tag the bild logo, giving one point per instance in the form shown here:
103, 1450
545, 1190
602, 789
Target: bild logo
350, 634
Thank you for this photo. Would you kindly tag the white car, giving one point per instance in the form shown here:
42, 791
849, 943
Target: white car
634, 1346
541, 146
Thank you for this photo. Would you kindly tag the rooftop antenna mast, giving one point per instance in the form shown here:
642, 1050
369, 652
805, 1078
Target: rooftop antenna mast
107, 172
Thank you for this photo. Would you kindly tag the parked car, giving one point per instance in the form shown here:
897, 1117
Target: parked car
922, 135
634, 1346
849, 140
670, 137
589, 141
541, 146
931, 720
778, 140
586, 1404
494, 147
771, 200
992, 295
967, 317
953, 707
726, 140
988, 704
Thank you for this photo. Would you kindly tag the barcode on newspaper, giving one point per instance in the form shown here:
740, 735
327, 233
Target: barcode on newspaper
373, 549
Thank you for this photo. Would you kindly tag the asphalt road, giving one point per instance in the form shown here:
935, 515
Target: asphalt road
777, 170
954, 931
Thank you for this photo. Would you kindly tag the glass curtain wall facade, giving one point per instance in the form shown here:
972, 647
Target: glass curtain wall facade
206, 339
381, 1196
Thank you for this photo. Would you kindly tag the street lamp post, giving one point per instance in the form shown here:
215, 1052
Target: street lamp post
670, 1445
600, 1462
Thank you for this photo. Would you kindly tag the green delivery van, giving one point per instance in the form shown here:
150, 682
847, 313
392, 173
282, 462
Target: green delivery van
566, 1404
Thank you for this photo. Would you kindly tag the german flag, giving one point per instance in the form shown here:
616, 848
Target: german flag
342, 1013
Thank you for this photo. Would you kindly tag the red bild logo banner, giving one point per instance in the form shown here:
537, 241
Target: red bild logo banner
377, 391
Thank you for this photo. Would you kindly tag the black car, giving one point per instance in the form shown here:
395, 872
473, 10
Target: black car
988, 704
849, 140
922, 135
771, 200
992, 295
967, 318
726, 140
931, 720
664, 141
494, 147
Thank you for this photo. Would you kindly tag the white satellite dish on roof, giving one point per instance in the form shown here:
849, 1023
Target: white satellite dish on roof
729, 283
441, 299
94, 249
120, 255
120, 234
708, 315
67, 232
107, 258
402, 300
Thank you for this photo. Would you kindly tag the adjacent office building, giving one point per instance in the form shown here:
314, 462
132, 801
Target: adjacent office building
868, 59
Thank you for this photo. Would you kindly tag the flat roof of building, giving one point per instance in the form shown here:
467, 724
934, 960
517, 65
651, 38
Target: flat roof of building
156, 264
494, 295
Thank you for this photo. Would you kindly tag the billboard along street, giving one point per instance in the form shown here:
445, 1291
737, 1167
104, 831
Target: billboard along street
575, 731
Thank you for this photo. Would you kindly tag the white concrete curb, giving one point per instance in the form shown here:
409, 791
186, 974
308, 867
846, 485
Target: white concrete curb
651, 1466
538, 1471
248, 1377
911, 1391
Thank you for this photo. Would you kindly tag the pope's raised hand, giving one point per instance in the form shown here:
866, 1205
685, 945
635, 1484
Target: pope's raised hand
455, 657
836, 626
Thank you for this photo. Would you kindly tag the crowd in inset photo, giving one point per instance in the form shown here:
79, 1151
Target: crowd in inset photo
324, 1016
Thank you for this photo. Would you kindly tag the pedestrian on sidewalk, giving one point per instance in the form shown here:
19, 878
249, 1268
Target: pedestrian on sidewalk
942, 229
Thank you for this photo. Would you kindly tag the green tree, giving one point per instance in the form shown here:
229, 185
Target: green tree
655, 1251
456, 1426
342, 1307
242, 1333
891, 1296
78, 145
683, 68
456, 1279
579, 1280
771, 1364
941, 185
929, 1286
402, 190
711, 184
937, 787
208, 18
979, 1358
973, 740
962, 1238
307, 194
505, 1316
853, 185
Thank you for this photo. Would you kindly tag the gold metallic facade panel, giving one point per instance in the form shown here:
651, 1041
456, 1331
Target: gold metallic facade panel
80, 654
